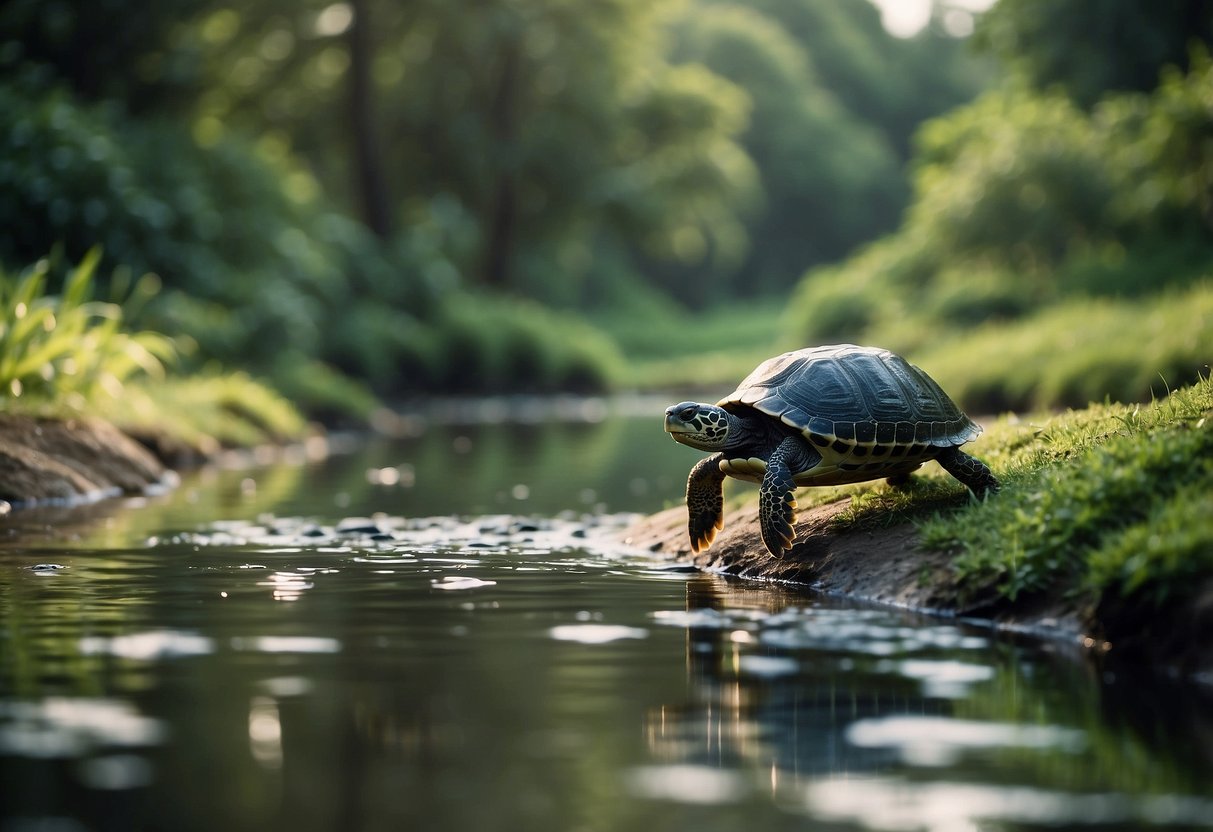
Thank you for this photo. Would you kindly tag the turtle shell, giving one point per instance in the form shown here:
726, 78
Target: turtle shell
864, 409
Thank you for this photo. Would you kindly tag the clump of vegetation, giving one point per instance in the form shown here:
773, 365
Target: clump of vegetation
1077, 351
213, 409
69, 348
1103, 501
69, 353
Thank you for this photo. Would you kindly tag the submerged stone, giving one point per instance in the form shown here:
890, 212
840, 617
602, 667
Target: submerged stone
358, 525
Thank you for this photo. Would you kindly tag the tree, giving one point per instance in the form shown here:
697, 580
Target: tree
1121, 46
830, 180
367, 152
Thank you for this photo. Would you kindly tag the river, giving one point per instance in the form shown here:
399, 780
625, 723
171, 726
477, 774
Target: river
438, 632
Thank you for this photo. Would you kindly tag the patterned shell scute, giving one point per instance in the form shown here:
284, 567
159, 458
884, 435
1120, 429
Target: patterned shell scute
856, 394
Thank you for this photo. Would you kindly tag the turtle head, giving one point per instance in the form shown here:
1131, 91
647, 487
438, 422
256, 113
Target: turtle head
702, 426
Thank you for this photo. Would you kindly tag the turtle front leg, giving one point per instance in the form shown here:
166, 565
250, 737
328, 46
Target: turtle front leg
705, 502
777, 500
970, 471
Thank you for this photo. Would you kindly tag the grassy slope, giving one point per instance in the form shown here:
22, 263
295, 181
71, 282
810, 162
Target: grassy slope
1111, 500
1066, 354
1076, 351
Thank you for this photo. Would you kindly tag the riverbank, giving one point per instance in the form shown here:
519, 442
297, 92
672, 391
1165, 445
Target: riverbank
79, 459
1102, 533
70, 461
886, 563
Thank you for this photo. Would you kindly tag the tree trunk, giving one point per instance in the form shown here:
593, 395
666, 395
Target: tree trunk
368, 158
502, 230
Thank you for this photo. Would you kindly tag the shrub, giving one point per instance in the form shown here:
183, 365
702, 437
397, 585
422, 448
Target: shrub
67, 348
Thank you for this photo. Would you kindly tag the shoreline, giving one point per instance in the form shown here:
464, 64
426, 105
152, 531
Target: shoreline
884, 564
73, 461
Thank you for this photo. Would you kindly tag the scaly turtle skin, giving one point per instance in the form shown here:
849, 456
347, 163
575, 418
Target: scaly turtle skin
819, 416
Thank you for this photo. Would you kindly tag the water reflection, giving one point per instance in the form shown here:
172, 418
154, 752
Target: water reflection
864, 717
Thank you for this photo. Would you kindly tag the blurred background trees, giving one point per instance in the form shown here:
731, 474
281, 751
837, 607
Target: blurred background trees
518, 195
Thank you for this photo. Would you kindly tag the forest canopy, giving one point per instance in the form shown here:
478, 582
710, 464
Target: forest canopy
437, 195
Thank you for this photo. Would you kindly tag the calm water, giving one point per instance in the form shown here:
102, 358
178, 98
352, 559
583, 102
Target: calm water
230, 657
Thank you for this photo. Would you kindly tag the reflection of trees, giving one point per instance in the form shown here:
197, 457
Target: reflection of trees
789, 725
1143, 735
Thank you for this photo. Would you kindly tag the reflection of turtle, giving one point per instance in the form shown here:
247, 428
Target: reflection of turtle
819, 416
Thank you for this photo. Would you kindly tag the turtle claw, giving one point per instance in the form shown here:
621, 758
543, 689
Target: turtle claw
702, 540
705, 503
779, 526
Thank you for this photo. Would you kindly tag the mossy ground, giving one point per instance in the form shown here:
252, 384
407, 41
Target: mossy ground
1110, 500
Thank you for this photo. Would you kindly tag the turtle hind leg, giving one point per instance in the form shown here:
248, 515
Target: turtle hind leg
900, 481
705, 502
971, 471
777, 500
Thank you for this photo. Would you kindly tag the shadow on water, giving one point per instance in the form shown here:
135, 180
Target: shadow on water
234, 656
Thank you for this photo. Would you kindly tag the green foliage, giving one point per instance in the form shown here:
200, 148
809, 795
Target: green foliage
217, 222
890, 83
1033, 226
322, 391
1124, 47
833, 306
1170, 548
506, 346
1099, 501
1075, 352
211, 409
1015, 178
67, 348
830, 180
68, 352
712, 349
132, 64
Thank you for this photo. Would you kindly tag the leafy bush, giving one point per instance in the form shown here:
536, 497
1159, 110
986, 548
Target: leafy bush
508, 346
1076, 352
67, 348
209, 410
1018, 178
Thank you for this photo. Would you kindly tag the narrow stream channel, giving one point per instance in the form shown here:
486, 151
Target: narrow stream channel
435, 633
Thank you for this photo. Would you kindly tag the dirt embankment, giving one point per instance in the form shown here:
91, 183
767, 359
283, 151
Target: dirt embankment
884, 564
53, 460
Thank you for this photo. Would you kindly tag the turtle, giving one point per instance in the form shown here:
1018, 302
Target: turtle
820, 416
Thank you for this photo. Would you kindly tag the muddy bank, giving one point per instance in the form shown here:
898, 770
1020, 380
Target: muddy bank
68, 460
884, 564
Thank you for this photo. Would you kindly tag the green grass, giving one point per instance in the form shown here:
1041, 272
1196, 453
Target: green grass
210, 409
1077, 351
68, 347
1111, 499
